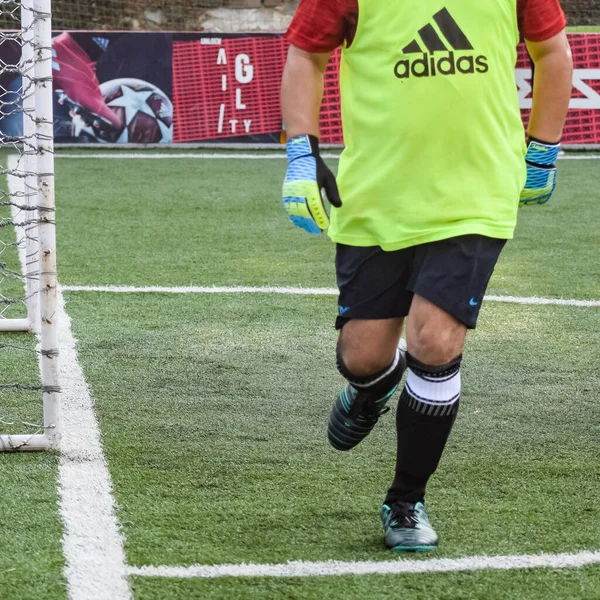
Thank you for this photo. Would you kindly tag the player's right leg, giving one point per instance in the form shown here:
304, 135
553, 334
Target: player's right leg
373, 301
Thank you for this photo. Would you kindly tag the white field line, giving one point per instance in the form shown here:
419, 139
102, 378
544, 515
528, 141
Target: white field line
579, 157
396, 567
240, 156
297, 291
92, 543
95, 567
191, 155
543, 301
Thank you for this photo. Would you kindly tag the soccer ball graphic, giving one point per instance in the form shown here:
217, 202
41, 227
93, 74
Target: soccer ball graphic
145, 111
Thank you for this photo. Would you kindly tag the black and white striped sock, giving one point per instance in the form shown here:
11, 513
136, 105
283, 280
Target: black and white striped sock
426, 412
433, 391
378, 386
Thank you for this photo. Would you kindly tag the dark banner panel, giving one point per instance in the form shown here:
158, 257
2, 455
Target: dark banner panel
190, 87
108, 87
113, 87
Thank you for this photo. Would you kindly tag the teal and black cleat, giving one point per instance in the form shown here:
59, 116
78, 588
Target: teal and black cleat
353, 416
407, 527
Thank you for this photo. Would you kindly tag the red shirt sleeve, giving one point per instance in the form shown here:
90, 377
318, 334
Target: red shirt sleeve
539, 20
323, 25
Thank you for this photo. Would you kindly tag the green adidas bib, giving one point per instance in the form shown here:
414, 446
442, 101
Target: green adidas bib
434, 139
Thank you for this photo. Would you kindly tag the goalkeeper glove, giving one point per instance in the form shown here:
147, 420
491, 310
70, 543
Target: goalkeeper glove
541, 172
307, 183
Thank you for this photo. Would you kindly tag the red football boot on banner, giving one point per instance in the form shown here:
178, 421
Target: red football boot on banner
76, 82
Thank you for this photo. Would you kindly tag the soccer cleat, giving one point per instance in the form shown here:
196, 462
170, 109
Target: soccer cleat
407, 527
355, 412
76, 82
353, 416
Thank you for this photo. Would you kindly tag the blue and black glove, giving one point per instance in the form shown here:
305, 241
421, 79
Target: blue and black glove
307, 184
541, 172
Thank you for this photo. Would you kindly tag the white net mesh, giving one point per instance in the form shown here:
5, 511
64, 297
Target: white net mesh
167, 15
188, 15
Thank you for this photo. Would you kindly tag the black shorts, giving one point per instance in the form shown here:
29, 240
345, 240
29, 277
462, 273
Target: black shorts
452, 274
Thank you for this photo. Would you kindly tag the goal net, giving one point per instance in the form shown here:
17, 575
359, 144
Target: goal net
188, 15
118, 15
29, 412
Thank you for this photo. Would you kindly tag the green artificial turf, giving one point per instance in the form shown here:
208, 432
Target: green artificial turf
30, 553
179, 222
18, 403
31, 560
555, 249
182, 222
484, 585
213, 408
12, 290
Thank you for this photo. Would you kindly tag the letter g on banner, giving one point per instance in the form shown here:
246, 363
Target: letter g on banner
244, 71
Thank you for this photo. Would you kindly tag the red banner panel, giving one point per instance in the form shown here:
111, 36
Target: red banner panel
229, 88
583, 120
331, 116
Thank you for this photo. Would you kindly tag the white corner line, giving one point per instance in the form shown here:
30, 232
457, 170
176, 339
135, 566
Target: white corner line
117, 289
575, 156
179, 155
297, 291
95, 566
543, 301
152, 155
391, 567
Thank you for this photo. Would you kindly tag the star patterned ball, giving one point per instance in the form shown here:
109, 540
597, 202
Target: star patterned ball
146, 112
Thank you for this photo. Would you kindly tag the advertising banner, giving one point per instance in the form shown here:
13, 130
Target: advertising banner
583, 120
175, 88
228, 88
108, 87
113, 87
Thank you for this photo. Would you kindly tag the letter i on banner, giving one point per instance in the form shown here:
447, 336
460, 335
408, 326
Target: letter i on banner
222, 60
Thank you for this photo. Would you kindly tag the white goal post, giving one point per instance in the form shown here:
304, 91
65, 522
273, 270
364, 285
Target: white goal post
28, 230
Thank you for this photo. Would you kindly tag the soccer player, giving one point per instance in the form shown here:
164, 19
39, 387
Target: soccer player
434, 168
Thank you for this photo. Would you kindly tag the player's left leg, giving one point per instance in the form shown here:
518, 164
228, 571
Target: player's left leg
449, 281
426, 413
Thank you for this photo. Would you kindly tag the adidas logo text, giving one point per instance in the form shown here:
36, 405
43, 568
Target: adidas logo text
428, 65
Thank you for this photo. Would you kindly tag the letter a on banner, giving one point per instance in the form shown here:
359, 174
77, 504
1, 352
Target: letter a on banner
222, 57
